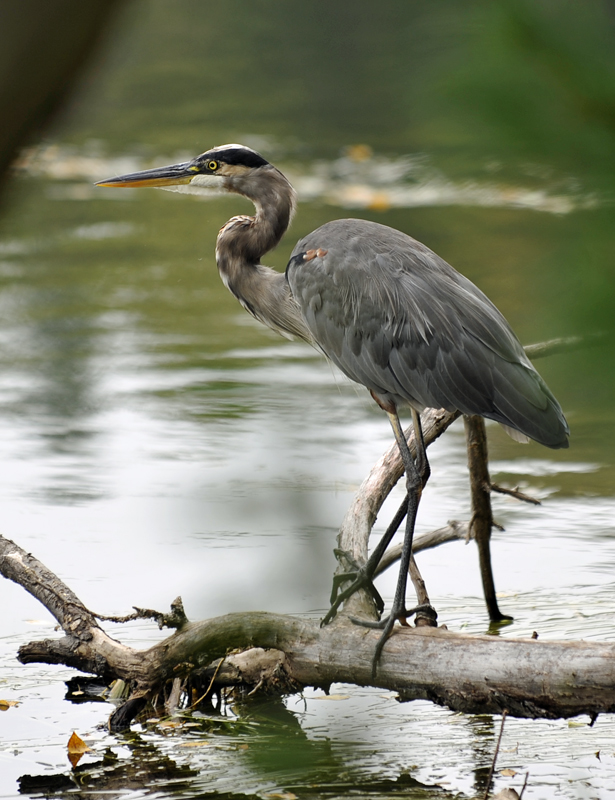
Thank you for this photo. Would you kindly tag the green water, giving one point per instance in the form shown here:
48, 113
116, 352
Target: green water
157, 441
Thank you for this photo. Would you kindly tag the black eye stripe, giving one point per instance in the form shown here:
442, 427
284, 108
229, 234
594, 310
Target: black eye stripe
235, 156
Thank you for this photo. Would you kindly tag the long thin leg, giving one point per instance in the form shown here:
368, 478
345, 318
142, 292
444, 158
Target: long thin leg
422, 464
482, 517
425, 612
362, 576
414, 483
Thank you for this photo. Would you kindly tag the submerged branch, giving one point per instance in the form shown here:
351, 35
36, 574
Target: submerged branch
526, 498
452, 532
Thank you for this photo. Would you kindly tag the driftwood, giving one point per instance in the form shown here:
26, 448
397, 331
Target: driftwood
282, 654
526, 677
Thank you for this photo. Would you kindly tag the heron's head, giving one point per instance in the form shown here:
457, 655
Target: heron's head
231, 168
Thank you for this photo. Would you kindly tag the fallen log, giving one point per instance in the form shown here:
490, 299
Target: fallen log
478, 674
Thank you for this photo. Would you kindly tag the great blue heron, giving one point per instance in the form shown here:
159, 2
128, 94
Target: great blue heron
389, 312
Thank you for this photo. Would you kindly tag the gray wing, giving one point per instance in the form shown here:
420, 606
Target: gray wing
398, 319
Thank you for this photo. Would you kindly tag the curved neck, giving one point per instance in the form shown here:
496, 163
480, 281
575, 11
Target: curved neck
244, 240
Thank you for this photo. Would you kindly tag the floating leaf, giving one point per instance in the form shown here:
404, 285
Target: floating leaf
76, 748
169, 723
194, 744
77, 745
332, 697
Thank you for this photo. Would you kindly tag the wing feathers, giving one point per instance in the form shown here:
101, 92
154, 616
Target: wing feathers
399, 320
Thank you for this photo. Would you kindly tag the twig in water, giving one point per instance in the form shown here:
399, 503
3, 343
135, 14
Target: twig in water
494, 487
211, 683
176, 619
495, 755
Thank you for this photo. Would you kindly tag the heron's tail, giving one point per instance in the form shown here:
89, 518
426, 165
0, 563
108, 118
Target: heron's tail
526, 408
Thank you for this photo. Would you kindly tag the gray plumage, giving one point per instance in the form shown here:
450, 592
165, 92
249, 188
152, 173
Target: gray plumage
394, 316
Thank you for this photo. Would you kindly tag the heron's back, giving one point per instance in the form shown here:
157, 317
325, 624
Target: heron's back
395, 317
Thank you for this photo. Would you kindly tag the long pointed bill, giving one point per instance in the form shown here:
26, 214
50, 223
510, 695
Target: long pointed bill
160, 176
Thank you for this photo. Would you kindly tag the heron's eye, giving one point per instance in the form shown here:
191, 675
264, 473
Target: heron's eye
212, 165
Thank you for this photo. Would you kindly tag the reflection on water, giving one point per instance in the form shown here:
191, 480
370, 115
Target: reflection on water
157, 441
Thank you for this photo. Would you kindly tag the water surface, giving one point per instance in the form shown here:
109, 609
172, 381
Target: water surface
157, 441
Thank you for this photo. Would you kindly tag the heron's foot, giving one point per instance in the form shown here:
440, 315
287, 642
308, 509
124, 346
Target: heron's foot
343, 577
424, 615
360, 577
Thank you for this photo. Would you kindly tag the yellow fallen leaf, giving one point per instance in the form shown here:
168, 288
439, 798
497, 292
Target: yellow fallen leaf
193, 744
332, 697
77, 745
508, 773
76, 748
6, 704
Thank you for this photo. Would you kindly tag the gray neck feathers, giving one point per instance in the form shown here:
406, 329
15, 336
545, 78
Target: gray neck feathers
244, 240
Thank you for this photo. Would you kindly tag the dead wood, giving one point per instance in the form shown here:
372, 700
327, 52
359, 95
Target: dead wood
453, 531
482, 515
467, 673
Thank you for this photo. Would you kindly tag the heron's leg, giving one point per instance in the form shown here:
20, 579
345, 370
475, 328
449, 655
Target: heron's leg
414, 482
425, 615
362, 576
422, 464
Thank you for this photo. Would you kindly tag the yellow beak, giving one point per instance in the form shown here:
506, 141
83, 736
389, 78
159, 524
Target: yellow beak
160, 176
